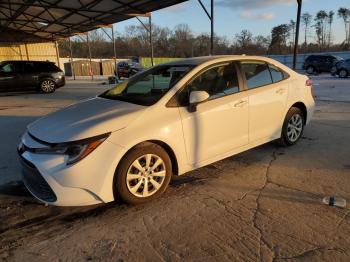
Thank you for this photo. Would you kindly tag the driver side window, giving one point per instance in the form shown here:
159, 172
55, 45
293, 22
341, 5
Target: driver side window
217, 81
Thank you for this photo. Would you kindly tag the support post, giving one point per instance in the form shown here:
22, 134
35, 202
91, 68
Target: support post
211, 18
20, 51
296, 43
57, 55
151, 38
114, 52
71, 58
89, 49
212, 27
26, 47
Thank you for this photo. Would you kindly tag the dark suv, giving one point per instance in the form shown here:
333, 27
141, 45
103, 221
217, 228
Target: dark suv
320, 63
128, 68
30, 75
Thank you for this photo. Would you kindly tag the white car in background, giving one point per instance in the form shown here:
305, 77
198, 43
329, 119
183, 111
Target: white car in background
168, 120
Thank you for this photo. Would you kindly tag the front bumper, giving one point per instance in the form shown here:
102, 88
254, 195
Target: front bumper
51, 181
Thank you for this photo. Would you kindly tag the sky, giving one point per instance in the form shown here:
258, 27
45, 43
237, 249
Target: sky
232, 16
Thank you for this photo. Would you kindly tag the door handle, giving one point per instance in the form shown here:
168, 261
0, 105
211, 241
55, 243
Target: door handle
241, 103
280, 91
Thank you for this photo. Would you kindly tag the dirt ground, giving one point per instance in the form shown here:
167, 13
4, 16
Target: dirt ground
261, 205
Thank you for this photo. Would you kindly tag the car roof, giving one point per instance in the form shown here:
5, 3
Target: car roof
209, 60
218, 58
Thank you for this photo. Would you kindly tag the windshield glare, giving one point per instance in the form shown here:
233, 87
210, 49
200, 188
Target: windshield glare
148, 87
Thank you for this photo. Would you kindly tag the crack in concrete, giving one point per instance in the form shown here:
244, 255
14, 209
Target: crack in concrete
310, 252
257, 210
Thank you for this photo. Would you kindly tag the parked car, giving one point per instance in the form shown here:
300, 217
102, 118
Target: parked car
342, 68
30, 75
128, 68
168, 120
320, 63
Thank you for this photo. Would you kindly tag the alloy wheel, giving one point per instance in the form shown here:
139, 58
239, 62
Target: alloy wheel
295, 127
343, 73
310, 70
146, 175
47, 86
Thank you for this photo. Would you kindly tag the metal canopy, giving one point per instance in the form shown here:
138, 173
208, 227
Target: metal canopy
48, 20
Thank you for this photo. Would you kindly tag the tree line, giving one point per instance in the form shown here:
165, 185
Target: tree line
181, 41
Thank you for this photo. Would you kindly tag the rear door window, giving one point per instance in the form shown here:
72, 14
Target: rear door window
256, 73
46, 67
29, 68
277, 74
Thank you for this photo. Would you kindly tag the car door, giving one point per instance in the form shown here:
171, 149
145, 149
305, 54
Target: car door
220, 124
267, 99
29, 75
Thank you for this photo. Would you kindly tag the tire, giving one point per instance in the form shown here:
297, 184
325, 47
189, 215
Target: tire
47, 86
293, 127
130, 182
333, 71
310, 70
343, 73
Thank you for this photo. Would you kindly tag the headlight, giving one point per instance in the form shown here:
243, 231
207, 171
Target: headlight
76, 150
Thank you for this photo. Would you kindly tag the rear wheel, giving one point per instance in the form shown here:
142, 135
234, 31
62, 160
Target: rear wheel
333, 70
293, 127
47, 86
343, 73
310, 70
144, 174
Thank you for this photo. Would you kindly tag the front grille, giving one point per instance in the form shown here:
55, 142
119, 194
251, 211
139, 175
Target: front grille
36, 184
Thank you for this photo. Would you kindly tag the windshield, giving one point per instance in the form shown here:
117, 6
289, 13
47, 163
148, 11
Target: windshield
146, 88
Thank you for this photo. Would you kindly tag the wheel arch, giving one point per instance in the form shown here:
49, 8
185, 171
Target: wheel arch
302, 107
165, 146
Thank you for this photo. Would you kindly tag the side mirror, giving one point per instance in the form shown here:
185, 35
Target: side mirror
197, 97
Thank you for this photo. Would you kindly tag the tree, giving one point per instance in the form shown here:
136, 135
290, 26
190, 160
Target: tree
306, 19
292, 29
321, 21
244, 38
344, 13
279, 36
330, 22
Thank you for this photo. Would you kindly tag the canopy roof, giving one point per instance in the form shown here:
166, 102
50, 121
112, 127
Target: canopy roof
48, 20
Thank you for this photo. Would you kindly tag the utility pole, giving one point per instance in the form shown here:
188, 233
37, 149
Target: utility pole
212, 27
296, 43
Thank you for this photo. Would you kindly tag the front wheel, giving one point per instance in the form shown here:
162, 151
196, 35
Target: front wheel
293, 127
47, 86
143, 174
343, 73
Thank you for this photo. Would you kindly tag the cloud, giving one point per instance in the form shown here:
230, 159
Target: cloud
267, 16
254, 4
246, 14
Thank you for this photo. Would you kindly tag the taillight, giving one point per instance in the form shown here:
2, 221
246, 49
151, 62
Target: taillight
309, 84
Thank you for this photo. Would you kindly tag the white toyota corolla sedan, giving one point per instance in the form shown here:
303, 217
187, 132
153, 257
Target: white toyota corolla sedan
168, 120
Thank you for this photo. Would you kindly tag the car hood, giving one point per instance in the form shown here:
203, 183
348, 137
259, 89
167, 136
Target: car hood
85, 119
